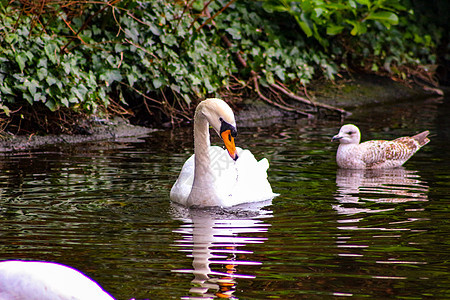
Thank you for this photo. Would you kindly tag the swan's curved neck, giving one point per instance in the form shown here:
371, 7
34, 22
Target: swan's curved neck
202, 192
201, 147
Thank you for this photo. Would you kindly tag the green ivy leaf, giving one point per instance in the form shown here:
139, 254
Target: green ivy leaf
50, 80
42, 73
5, 89
51, 105
28, 97
154, 29
195, 80
169, 40
42, 63
110, 76
235, 34
279, 72
64, 101
67, 67
5, 109
51, 50
133, 33
131, 79
31, 85
79, 91
38, 97
157, 83
21, 60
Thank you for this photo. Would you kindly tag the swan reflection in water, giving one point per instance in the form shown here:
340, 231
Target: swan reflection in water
216, 239
355, 188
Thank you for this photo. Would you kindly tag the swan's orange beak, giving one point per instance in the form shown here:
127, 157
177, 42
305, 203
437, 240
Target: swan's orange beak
229, 143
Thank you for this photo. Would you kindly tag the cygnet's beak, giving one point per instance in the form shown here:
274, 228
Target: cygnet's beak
336, 138
229, 143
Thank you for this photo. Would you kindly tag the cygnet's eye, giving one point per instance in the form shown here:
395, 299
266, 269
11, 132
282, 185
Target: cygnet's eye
351, 132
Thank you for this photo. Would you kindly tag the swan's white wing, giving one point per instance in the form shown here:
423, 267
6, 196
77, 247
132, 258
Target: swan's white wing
235, 182
222, 170
252, 184
182, 187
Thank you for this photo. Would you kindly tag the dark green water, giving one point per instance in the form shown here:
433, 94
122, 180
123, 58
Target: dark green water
104, 209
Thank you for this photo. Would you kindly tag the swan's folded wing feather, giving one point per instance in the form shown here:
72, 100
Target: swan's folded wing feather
263, 164
235, 182
253, 183
182, 187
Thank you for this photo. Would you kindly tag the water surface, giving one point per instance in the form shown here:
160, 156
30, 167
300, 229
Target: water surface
104, 209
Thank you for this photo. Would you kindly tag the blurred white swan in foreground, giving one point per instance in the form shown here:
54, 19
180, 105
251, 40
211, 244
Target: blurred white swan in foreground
217, 177
375, 154
36, 280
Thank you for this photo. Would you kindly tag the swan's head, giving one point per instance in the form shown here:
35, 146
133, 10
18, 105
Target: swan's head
349, 134
221, 118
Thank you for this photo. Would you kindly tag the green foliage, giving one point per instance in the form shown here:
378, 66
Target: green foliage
164, 50
407, 43
319, 18
36, 70
387, 31
272, 55
160, 52
147, 49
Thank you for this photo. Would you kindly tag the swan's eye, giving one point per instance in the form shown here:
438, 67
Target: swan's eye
226, 126
350, 132
233, 132
220, 119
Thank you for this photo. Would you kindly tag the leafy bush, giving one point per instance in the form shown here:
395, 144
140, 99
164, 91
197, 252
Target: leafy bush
318, 18
35, 69
142, 47
164, 54
387, 30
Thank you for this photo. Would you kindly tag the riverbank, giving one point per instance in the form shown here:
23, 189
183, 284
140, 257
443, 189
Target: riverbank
115, 129
346, 94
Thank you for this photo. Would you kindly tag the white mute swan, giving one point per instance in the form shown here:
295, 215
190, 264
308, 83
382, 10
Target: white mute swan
375, 154
37, 280
217, 177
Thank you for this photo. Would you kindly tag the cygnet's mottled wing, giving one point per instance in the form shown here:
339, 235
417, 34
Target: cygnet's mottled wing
394, 153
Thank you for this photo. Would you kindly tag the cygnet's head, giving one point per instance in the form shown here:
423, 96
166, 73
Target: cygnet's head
348, 134
221, 118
